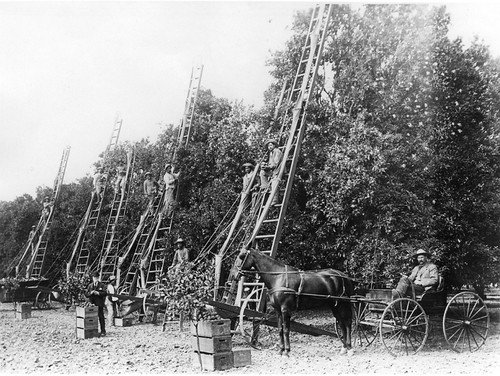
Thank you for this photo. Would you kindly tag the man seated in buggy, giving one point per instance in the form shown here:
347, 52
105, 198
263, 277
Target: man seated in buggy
423, 278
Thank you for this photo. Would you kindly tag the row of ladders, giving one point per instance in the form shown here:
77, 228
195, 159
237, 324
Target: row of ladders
268, 228
110, 246
91, 218
37, 244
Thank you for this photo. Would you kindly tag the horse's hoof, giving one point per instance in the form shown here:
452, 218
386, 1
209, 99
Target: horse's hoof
343, 351
350, 352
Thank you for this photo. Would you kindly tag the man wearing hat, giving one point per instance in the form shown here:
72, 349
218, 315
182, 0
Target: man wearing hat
423, 277
269, 170
181, 253
111, 301
170, 178
99, 183
96, 293
121, 180
150, 188
246, 193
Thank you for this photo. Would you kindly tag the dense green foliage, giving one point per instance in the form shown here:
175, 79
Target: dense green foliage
401, 152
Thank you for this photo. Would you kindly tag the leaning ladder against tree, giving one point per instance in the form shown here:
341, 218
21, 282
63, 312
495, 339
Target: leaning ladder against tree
37, 243
110, 247
148, 245
156, 255
268, 227
91, 218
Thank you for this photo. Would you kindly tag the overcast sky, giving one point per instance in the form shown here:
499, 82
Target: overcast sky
67, 69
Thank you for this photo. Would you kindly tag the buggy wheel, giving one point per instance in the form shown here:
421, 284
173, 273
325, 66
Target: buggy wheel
43, 300
151, 310
257, 327
363, 333
466, 322
404, 327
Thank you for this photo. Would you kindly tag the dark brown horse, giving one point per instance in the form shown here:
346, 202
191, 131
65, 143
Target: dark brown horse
290, 289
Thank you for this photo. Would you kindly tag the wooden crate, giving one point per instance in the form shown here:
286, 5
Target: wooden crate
212, 328
23, 315
242, 357
123, 321
86, 312
213, 362
23, 307
87, 322
86, 333
213, 345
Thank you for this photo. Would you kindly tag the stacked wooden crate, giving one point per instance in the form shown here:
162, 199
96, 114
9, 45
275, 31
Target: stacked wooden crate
23, 311
123, 321
87, 322
213, 346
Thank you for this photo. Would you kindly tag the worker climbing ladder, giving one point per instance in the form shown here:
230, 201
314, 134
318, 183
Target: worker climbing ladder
110, 247
37, 244
91, 218
270, 219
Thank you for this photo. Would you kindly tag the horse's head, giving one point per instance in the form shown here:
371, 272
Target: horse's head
246, 259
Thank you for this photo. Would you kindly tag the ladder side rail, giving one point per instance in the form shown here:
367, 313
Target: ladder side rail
78, 241
194, 99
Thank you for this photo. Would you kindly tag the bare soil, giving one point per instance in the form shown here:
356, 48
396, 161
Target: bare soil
47, 342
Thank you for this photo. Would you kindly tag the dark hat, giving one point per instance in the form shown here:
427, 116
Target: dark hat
271, 141
422, 252
180, 240
247, 165
95, 274
168, 165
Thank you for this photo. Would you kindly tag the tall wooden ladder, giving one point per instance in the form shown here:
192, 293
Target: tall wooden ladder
192, 96
91, 218
110, 246
35, 266
137, 248
156, 253
268, 228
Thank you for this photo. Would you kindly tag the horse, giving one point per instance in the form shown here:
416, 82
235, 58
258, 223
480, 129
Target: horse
290, 289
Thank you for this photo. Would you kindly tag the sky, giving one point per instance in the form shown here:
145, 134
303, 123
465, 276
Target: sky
68, 69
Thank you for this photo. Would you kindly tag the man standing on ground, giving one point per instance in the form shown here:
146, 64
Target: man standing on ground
96, 293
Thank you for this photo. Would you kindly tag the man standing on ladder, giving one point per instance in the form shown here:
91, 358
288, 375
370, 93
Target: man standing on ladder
170, 179
99, 183
121, 180
270, 169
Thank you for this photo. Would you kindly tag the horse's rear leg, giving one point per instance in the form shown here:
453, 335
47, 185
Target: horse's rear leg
286, 330
279, 315
343, 314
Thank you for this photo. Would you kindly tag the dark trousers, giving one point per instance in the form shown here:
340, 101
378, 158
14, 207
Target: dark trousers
100, 314
404, 288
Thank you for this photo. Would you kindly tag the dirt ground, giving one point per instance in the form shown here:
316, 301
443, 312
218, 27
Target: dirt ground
46, 343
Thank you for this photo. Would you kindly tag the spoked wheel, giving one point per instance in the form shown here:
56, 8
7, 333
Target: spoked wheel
43, 300
364, 330
465, 322
363, 333
150, 310
404, 327
259, 329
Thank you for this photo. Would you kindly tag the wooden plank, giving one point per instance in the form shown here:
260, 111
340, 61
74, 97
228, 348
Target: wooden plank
295, 326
